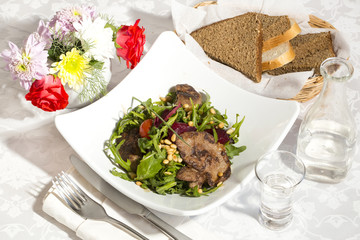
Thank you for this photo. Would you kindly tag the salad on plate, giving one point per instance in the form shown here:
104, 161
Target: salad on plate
180, 144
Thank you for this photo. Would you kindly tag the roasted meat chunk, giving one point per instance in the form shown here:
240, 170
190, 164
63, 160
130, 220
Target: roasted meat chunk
206, 160
191, 175
185, 92
130, 148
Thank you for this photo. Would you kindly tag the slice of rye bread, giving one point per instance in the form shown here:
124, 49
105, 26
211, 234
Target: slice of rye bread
310, 51
277, 56
277, 30
273, 28
236, 42
274, 25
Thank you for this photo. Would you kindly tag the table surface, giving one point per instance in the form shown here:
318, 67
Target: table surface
32, 151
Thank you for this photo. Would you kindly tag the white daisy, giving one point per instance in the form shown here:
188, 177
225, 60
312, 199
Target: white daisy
95, 38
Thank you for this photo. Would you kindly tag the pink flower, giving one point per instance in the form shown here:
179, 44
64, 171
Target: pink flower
43, 34
63, 20
48, 94
130, 42
28, 63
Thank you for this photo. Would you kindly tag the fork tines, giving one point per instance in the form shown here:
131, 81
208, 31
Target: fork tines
69, 191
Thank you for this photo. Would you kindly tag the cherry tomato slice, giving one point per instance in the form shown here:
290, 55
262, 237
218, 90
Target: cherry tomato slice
145, 128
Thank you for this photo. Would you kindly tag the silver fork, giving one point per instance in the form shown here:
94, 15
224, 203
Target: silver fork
82, 204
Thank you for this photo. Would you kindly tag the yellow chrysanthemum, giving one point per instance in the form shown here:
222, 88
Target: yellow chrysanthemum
71, 68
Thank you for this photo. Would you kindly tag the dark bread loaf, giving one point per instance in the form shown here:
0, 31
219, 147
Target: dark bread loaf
236, 42
310, 51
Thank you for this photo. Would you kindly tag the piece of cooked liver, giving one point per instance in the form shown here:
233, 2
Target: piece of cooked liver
130, 148
204, 159
185, 92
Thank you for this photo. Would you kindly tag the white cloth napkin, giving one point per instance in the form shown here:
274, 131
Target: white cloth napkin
98, 230
186, 19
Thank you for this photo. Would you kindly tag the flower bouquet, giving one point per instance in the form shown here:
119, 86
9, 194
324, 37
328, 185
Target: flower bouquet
67, 60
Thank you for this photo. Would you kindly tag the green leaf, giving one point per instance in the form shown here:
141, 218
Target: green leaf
149, 166
145, 144
96, 64
232, 150
62, 46
164, 188
95, 85
120, 174
111, 26
117, 157
236, 133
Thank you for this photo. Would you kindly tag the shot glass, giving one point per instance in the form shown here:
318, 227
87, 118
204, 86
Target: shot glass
279, 173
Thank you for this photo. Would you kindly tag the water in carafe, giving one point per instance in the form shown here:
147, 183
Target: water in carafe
327, 135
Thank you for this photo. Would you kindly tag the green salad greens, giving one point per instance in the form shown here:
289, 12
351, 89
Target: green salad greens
156, 121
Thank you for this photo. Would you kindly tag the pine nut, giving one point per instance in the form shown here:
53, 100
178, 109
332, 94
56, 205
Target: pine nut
191, 123
168, 98
170, 157
167, 141
170, 150
166, 161
138, 183
167, 173
179, 160
221, 125
230, 131
173, 146
200, 190
220, 174
163, 99
212, 111
219, 184
132, 175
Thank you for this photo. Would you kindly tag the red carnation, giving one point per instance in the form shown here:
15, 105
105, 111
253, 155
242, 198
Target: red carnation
130, 42
48, 94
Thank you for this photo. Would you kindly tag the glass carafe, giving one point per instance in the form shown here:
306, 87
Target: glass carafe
327, 136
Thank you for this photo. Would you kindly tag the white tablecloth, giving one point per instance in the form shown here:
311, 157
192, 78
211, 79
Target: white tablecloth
32, 151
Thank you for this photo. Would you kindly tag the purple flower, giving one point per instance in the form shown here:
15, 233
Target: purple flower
43, 33
63, 21
28, 63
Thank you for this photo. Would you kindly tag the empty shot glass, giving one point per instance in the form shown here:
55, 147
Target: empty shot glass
279, 173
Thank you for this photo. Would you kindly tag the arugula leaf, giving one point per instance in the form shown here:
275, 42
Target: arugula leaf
149, 166
120, 174
145, 145
111, 150
232, 151
163, 188
236, 133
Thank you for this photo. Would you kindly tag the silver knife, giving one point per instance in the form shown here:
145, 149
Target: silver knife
123, 201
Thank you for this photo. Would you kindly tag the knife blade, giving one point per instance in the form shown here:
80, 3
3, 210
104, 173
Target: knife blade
123, 201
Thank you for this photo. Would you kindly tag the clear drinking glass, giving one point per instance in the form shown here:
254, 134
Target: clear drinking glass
279, 173
327, 136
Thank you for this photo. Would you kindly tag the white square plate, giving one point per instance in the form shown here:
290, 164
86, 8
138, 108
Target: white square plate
168, 62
